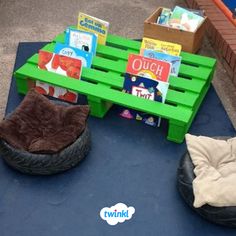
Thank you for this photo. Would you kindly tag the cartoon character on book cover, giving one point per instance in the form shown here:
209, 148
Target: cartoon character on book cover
148, 67
93, 25
85, 57
160, 46
59, 64
174, 60
82, 40
147, 89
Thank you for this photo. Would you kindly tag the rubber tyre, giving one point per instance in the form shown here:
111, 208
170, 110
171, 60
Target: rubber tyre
225, 216
47, 164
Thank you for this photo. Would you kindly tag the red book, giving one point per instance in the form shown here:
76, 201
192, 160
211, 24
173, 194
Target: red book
148, 67
59, 64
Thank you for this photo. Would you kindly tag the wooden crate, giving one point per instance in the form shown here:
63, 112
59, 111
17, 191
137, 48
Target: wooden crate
102, 84
190, 41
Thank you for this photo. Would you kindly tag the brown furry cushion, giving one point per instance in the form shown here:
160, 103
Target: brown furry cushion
39, 126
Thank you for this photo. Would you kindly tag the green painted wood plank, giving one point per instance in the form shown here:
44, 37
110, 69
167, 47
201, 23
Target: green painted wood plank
60, 38
98, 62
109, 65
116, 40
183, 98
117, 97
202, 73
193, 85
195, 59
113, 80
116, 81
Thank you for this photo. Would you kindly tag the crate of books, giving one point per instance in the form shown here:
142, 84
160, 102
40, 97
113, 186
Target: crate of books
183, 26
150, 80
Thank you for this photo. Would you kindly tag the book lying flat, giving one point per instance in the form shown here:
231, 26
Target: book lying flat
185, 20
59, 64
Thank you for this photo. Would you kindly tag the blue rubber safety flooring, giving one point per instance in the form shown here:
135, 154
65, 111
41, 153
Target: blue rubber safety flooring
129, 163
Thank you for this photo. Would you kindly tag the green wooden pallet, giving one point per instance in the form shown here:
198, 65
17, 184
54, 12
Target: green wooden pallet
102, 84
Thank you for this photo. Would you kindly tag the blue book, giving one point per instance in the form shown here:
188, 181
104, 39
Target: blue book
82, 40
175, 61
85, 57
147, 89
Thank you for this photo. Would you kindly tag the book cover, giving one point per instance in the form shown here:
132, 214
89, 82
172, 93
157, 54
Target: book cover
164, 17
148, 67
85, 41
175, 61
160, 46
65, 50
147, 89
94, 25
185, 20
63, 65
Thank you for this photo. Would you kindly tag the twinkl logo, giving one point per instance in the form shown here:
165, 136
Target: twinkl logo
117, 214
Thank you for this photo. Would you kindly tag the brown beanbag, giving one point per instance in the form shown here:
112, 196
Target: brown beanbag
40, 126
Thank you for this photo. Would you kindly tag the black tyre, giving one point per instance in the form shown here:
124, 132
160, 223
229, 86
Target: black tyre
220, 215
47, 164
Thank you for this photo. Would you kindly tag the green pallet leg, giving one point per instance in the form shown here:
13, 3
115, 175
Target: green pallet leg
98, 107
177, 131
22, 85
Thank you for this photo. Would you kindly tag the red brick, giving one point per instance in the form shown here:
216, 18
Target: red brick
189, 3
228, 69
227, 31
225, 47
228, 54
220, 45
233, 60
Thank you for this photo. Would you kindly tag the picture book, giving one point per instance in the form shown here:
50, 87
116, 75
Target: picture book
85, 41
185, 20
148, 67
175, 61
94, 25
160, 46
65, 50
164, 17
147, 89
63, 65
196, 11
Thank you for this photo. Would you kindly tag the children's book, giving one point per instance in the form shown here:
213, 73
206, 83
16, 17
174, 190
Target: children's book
160, 46
148, 67
63, 65
185, 20
163, 19
175, 61
94, 25
65, 50
147, 89
85, 41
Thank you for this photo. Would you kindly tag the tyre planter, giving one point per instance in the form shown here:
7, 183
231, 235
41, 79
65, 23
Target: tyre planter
220, 215
47, 164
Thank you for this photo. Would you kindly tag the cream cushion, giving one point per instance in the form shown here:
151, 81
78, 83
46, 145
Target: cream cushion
215, 170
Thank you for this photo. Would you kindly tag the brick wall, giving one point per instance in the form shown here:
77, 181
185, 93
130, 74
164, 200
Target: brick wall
221, 33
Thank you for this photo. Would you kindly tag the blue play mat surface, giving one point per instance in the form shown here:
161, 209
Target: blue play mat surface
129, 162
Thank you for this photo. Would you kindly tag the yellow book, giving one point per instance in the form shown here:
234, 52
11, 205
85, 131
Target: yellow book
94, 25
160, 46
